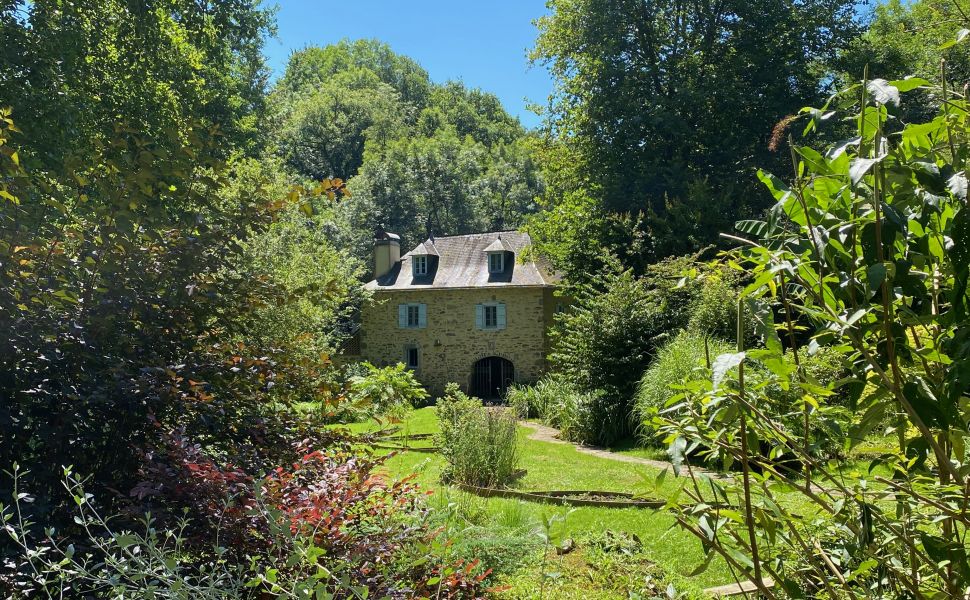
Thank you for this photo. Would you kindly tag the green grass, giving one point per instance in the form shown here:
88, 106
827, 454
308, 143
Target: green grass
552, 466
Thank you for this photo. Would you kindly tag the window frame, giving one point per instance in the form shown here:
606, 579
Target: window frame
407, 318
501, 262
498, 309
419, 265
408, 350
488, 309
415, 311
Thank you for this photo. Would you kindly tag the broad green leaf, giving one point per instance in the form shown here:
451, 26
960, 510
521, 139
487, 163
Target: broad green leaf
881, 92
958, 186
961, 35
909, 83
723, 364
815, 161
859, 167
839, 149
752, 227
763, 320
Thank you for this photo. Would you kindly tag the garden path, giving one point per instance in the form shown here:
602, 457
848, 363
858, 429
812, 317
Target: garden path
544, 433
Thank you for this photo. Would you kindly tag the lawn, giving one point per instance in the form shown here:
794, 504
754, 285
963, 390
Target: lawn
589, 572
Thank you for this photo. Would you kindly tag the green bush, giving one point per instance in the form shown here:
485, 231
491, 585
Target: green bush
585, 417
617, 322
713, 310
391, 391
480, 445
676, 362
823, 368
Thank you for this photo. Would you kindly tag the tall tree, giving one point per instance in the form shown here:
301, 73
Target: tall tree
912, 38
657, 96
73, 71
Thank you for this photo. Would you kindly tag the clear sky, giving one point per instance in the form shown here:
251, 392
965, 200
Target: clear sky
483, 44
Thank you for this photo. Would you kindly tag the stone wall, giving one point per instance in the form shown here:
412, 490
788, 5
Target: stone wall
451, 344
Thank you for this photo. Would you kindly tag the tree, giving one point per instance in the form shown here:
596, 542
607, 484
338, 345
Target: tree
312, 67
657, 97
74, 71
325, 132
911, 38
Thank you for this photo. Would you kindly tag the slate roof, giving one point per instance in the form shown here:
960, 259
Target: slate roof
461, 261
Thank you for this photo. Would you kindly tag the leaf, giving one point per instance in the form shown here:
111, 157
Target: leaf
764, 323
958, 185
676, 453
776, 186
909, 83
859, 167
752, 227
125, 540
961, 35
959, 254
839, 149
882, 92
723, 364
876, 274
814, 160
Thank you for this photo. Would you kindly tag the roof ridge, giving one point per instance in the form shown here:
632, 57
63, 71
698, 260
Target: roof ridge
500, 231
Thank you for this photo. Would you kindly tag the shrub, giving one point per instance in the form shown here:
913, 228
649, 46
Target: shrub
617, 322
607, 339
389, 391
480, 445
713, 310
584, 417
323, 527
678, 361
540, 400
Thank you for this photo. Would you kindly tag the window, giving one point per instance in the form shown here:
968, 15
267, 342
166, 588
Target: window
490, 315
419, 265
496, 262
412, 316
411, 357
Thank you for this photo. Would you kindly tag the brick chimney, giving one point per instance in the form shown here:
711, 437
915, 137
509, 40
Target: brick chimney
387, 251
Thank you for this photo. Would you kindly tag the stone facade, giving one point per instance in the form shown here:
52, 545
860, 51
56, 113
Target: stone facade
450, 344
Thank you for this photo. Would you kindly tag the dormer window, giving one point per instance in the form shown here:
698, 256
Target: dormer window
496, 262
419, 264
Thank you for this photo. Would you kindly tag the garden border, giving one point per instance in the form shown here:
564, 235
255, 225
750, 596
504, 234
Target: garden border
567, 497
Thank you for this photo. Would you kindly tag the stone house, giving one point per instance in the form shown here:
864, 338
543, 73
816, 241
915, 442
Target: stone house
470, 309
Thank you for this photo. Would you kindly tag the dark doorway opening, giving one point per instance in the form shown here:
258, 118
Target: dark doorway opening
491, 378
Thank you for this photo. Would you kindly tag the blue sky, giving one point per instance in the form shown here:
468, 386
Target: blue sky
483, 44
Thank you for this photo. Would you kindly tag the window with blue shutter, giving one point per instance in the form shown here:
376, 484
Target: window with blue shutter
490, 315
412, 316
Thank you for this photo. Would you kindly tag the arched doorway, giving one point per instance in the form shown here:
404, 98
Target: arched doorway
491, 377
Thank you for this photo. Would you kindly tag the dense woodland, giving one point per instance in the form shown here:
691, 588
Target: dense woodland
183, 238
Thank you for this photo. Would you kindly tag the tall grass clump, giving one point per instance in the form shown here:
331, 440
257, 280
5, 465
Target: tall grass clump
683, 358
480, 445
585, 417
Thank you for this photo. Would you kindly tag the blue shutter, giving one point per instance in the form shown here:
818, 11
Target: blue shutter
422, 315
402, 315
500, 316
479, 316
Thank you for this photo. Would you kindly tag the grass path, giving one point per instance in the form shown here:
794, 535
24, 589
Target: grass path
555, 464
544, 433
